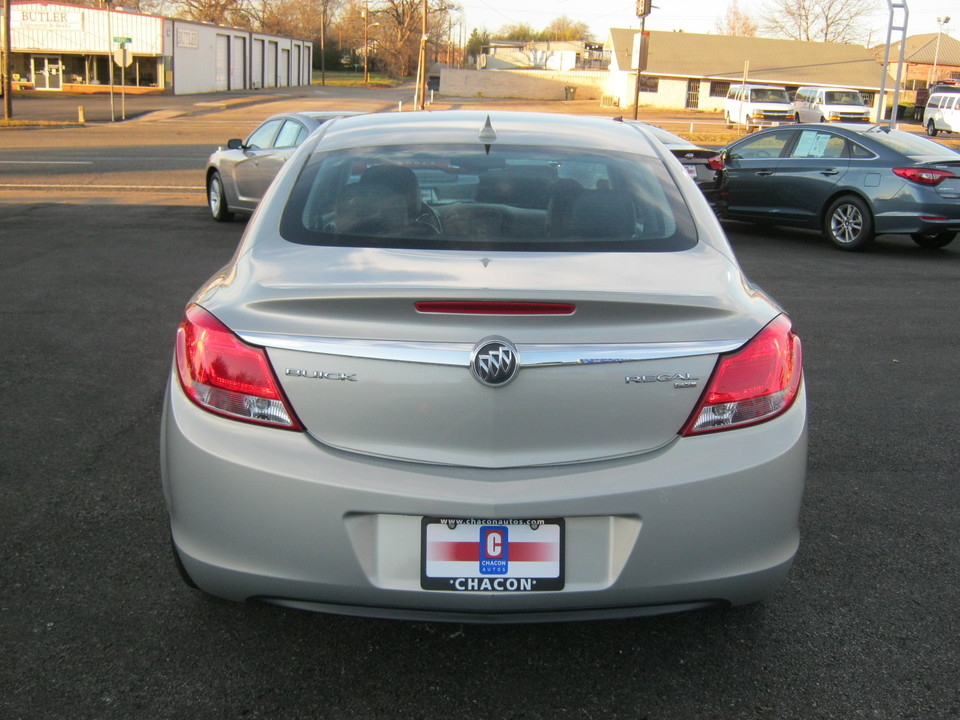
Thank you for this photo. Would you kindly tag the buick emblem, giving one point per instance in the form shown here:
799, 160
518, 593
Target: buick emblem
494, 362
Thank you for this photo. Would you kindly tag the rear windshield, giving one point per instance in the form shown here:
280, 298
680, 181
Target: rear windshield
488, 197
910, 145
771, 95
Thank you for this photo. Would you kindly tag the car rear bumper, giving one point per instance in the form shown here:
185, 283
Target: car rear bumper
270, 515
927, 222
919, 209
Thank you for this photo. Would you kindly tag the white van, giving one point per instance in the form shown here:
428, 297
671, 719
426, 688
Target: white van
756, 105
823, 104
942, 113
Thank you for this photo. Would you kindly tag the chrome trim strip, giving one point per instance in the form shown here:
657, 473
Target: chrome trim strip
458, 354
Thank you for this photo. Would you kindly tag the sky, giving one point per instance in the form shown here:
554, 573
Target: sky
698, 16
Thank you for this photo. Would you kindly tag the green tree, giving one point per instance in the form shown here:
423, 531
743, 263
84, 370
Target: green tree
477, 41
520, 32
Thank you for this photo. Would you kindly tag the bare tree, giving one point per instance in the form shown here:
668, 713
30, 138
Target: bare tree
399, 28
297, 18
736, 22
222, 12
563, 28
838, 21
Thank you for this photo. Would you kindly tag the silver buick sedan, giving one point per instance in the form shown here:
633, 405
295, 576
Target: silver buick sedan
484, 367
239, 175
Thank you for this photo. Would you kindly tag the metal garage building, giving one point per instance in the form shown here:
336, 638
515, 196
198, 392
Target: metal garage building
60, 47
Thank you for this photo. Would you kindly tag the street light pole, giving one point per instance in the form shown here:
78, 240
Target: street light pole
936, 54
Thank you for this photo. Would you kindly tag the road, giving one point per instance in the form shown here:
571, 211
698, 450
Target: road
95, 623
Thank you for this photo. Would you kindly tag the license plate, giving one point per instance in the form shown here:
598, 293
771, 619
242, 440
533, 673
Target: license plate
691, 170
498, 556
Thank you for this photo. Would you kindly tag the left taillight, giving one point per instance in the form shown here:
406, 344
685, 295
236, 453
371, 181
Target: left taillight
752, 385
226, 376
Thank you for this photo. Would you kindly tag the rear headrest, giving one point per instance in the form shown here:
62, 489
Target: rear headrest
397, 179
370, 209
601, 214
526, 187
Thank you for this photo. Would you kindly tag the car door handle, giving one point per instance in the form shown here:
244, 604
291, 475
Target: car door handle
764, 173
831, 171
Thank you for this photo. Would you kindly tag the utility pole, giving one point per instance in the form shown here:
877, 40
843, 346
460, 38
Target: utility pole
7, 64
366, 44
422, 72
323, 38
643, 9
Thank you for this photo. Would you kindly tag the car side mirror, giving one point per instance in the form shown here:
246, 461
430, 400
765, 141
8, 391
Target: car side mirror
234, 144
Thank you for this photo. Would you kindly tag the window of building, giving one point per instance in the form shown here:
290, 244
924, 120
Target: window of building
649, 84
719, 89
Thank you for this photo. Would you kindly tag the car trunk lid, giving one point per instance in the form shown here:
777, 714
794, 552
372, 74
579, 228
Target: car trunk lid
367, 371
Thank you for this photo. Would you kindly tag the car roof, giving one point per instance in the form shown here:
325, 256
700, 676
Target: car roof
664, 136
477, 126
912, 145
314, 115
325, 114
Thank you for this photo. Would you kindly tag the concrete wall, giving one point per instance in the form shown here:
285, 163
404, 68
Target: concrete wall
525, 84
518, 58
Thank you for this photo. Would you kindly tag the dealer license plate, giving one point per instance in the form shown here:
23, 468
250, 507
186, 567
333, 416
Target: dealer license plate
472, 555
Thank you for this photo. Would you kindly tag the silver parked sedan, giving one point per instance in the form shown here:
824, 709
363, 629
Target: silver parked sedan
494, 368
238, 176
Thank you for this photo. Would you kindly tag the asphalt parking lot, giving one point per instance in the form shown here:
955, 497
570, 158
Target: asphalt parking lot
95, 622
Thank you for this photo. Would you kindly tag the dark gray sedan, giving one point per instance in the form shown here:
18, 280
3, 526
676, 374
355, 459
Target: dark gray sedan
702, 164
850, 182
238, 176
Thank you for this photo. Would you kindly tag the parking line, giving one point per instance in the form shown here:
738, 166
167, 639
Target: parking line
39, 186
46, 162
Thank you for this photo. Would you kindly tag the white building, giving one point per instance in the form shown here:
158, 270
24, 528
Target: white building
531, 55
60, 47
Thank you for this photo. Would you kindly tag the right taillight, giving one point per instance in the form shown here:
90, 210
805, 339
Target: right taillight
716, 162
754, 384
922, 175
